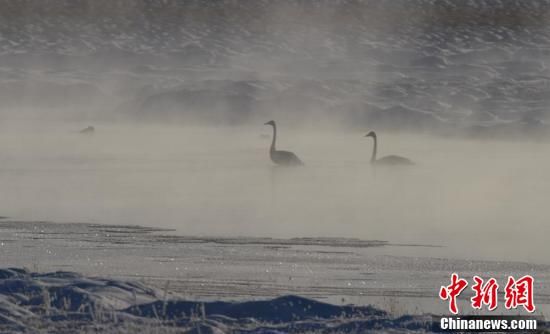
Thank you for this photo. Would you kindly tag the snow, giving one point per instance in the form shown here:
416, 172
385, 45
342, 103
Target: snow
63, 301
401, 279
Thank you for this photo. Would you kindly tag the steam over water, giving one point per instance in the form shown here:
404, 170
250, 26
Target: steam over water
448, 67
478, 199
178, 92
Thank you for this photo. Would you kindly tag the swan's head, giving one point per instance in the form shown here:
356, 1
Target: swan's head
270, 123
371, 134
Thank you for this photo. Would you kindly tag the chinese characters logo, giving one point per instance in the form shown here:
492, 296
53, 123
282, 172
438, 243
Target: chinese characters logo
516, 293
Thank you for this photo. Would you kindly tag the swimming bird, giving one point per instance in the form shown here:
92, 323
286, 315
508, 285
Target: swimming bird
387, 160
88, 131
284, 158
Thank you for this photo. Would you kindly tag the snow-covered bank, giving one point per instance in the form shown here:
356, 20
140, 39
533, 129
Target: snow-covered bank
63, 302
400, 279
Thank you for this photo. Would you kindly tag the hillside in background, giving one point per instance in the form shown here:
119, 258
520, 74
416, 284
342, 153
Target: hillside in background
479, 67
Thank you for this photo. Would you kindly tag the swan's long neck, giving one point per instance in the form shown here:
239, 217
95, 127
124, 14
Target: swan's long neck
374, 150
274, 138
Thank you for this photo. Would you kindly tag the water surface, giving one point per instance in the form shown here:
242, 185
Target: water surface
477, 199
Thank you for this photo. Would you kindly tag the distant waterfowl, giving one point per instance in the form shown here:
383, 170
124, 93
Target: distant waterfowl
387, 160
284, 158
88, 131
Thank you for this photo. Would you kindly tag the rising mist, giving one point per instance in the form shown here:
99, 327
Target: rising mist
178, 93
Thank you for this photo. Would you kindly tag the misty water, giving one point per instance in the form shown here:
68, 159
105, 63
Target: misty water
477, 199
176, 187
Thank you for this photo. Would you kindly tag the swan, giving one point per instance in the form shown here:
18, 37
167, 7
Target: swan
387, 160
88, 131
284, 158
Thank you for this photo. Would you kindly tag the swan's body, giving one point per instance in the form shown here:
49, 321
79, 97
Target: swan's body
284, 158
389, 160
88, 131
393, 160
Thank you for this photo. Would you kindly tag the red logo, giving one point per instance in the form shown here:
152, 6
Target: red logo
516, 293
452, 291
485, 293
520, 292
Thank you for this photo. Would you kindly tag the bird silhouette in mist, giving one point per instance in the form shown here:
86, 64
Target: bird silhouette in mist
283, 158
87, 131
389, 160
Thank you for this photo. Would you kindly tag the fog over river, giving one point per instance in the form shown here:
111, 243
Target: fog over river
172, 180
478, 198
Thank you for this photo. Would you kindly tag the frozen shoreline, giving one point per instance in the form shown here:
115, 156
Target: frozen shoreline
403, 280
63, 302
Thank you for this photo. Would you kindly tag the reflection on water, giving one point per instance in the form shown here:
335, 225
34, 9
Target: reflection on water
480, 199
